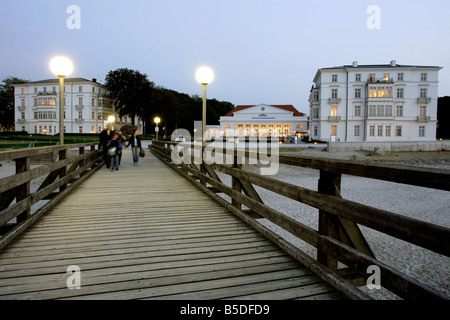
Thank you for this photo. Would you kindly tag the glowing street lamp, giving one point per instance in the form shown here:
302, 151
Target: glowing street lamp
61, 67
204, 76
111, 119
157, 120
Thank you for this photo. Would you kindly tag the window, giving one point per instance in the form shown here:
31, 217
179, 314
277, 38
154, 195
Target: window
358, 77
316, 96
372, 110
35, 90
399, 111
400, 92
22, 115
80, 129
388, 110
334, 111
423, 77
388, 131
380, 111
423, 93
357, 111
398, 131
380, 131
316, 131
80, 89
423, 111
22, 90
386, 77
381, 92
93, 91
422, 131
80, 101
334, 78
400, 77
357, 93
22, 102
372, 78
333, 130
47, 101
93, 102
334, 93
357, 129
372, 92
372, 131
315, 113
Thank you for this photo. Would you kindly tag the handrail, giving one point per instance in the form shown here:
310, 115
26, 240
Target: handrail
338, 237
62, 176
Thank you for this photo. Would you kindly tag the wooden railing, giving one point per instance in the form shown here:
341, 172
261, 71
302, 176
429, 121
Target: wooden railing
62, 175
338, 238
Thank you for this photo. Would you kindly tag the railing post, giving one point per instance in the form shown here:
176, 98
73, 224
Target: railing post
236, 184
23, 191
63, 171
329, 184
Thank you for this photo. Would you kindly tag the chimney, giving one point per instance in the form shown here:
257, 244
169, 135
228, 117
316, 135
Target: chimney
393, 63
94, 79
355, 64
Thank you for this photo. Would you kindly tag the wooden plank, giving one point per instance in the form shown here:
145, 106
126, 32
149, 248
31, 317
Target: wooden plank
130, 248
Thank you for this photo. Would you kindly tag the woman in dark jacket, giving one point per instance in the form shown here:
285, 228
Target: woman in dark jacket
135, 143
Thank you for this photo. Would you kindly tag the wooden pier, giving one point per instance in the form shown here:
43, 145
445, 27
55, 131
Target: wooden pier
145, 232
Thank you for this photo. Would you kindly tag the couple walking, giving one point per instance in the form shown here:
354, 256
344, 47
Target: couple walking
112, 143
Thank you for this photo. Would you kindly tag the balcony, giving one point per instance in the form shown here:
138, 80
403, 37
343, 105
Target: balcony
334, 100
79, 120
21, 108
21, 120
424, 100
47, 93
334, 118
381, 81
79, 106
423, 118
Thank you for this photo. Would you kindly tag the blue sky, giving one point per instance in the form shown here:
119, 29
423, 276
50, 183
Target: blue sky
261, 51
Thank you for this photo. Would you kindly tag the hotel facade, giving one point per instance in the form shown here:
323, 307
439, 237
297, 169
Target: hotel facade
264, 121
388, 102
86, 106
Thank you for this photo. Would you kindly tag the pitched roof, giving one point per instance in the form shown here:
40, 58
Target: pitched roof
56, 80
287, 107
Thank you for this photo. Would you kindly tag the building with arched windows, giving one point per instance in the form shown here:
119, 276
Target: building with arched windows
264, 121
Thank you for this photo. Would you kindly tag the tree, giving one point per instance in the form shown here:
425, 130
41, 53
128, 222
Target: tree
443, 118
131, 92
7, 101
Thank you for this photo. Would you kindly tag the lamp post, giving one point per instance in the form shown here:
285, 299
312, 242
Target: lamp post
204, 76
61, 67
157, 121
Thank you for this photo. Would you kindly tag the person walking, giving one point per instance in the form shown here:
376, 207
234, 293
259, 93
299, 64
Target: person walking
121, 138
136, 146
105, 138
114, 150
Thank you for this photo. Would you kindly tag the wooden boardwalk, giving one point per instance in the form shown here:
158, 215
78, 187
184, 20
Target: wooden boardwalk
145, 232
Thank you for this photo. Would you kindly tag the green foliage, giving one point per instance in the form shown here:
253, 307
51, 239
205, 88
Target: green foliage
134, 95
7, 101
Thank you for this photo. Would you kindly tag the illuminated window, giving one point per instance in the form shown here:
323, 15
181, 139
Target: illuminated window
334, 111
372, 77
333, 130
423, 111
381, 92
386, 77
372, 93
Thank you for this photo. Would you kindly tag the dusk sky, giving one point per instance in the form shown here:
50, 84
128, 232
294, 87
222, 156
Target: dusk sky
261, 51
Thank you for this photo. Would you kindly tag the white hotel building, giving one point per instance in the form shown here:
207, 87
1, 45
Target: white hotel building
388, 102
86, 106
264, 121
